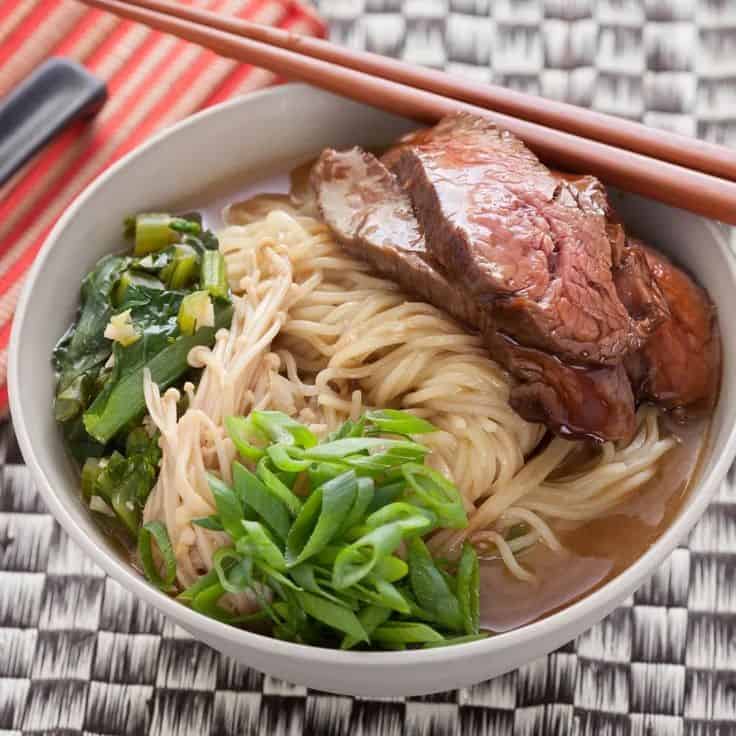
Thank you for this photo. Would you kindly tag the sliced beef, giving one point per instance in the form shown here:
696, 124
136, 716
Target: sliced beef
636, 286
372, 217
681, 363
527, 243
391, 156
572, 401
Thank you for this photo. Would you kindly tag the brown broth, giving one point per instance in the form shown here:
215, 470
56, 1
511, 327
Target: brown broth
595, 551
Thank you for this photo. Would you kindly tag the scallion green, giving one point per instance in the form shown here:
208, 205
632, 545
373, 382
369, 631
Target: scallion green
150, 532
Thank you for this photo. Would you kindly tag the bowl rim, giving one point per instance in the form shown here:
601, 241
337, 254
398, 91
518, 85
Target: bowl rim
588, 608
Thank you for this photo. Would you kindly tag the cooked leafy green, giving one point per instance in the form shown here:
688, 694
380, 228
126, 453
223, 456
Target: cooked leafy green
123, 400
152, 232
161, 350
84, 348
123, 481
129, 323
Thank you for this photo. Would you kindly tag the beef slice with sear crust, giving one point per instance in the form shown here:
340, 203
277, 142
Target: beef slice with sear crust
680, 366
520, 239
371, 216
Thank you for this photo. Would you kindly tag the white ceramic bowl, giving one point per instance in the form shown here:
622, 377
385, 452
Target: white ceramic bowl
246, 140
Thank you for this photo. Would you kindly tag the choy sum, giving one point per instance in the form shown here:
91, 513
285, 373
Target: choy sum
132, 308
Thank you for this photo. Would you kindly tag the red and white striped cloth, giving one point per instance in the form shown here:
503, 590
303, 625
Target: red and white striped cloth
153, 81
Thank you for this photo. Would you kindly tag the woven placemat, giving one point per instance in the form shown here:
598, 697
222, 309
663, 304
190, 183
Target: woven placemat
80, 655
667, 63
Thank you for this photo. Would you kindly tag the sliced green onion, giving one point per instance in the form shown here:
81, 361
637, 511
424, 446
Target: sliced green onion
321, 518
211, 522
404, 513
320, 473
437, 493
342, 448
385, 462
277, 488
363, 497
155, 530
391, 569
296, 626
196, 310
153, 233
348, 428
282, 429
305, 575
406, 632
260, 545
385, 594
333, 615
206, 603
253, 493
275, 577
392, 421
281, 458
235, 577
430, 588
455, 640
229, 507
277, 612
371, 617
355, 561
242, 432
386, 494
204, 581
213, 278
327, 556
328, 561
468, 589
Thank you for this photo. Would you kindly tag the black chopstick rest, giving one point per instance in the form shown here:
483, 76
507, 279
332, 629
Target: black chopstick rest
42, 105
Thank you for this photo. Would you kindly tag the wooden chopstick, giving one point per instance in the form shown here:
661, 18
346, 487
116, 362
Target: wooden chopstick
674, 185
621, 133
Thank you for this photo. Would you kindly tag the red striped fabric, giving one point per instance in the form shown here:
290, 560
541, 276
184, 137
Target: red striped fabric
153, 80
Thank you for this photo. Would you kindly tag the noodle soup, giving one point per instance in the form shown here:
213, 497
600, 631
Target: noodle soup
319, 337
560, 550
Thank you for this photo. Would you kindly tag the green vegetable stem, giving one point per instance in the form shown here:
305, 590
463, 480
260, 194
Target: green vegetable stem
213, 278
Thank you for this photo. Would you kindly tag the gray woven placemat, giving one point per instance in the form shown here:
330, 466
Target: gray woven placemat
668, 63
80, 655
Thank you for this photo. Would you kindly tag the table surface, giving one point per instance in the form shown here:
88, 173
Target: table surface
79, 655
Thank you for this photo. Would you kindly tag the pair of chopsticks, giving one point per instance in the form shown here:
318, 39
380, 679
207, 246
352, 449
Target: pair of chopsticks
674, 169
